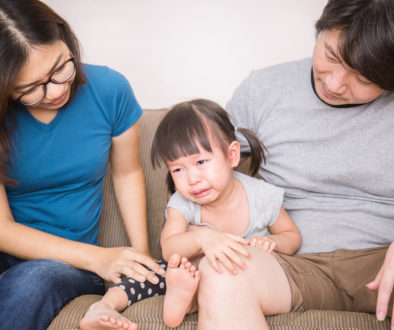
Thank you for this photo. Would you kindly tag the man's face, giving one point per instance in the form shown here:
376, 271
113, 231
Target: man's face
335, 82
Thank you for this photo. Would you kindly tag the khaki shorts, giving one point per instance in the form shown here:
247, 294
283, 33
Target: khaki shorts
333, 280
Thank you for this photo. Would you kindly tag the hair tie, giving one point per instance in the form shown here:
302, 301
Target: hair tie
235, 128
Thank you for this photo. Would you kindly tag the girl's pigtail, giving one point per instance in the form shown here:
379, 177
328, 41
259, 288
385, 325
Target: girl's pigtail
257, 149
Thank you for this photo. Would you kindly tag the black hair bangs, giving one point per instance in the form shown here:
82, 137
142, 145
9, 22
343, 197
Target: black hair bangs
182, 132
366, 41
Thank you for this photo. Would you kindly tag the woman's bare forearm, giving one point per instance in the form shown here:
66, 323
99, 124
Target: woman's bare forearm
28, 243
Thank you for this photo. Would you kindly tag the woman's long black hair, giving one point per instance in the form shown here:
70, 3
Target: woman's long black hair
25, 24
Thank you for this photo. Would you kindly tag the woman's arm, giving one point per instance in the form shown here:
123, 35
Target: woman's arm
129, 186
285, 236
28, 243
109, 263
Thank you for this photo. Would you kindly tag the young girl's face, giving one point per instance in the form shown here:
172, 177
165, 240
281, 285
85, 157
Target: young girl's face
204, 177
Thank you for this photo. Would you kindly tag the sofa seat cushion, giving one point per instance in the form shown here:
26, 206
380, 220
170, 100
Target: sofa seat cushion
148, 315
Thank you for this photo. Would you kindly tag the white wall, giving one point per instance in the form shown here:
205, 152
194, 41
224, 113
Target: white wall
174, 50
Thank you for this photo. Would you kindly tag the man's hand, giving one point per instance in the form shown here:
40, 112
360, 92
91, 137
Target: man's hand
384, 283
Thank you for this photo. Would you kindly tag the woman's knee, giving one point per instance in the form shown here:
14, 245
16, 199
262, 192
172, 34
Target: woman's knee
43, 285
47, 277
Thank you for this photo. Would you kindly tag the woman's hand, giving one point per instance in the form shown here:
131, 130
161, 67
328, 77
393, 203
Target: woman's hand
226, 248
112, 263
265, 243
384, 283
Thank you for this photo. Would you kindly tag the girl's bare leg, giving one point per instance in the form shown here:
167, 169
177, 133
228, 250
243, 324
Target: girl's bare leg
182, 282
104, 314
243, 299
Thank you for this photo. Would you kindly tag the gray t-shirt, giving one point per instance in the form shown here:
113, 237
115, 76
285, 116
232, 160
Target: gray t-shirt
265, 201
335, 164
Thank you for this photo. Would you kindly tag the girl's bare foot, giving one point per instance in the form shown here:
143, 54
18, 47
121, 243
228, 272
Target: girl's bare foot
101, 316
182, 282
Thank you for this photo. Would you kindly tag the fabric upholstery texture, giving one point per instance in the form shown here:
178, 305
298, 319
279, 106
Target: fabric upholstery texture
148, 313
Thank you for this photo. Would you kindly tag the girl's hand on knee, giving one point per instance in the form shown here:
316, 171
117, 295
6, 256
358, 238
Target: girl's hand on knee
264, 243
225, 249
112, 263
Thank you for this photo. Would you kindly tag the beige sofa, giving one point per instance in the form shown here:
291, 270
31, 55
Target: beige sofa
148, 313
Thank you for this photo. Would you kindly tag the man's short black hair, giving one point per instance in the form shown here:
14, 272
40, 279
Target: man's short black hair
366, 41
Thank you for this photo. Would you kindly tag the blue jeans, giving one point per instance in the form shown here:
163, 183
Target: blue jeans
33, 292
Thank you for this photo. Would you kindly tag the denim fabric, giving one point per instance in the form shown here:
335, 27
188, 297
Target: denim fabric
33, 292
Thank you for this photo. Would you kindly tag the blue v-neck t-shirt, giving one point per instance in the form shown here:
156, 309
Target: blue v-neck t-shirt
60, 166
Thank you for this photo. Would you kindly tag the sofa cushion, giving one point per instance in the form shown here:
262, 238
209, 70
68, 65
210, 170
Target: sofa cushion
148, 315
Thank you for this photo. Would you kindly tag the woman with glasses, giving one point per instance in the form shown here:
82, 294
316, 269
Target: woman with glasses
60, 123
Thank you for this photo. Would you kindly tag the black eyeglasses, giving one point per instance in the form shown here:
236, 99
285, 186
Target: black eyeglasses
38, 92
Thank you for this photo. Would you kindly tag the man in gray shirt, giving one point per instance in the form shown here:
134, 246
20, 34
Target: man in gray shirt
328, 125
